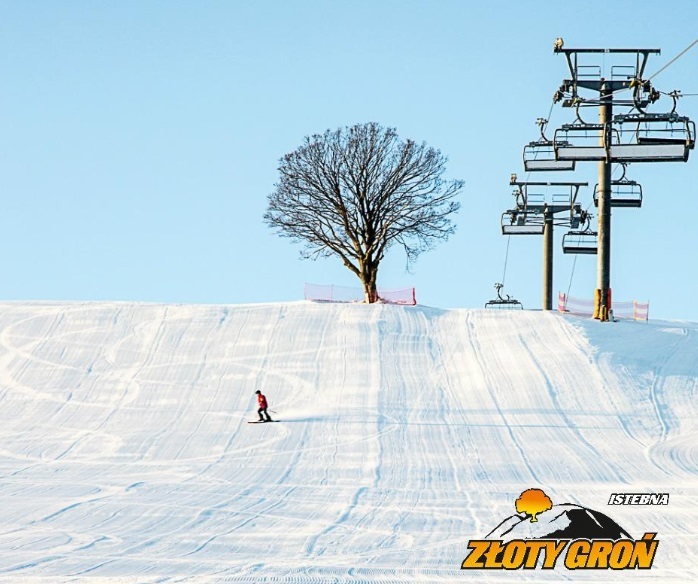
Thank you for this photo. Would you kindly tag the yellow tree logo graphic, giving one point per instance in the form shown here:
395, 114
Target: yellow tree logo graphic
532, 502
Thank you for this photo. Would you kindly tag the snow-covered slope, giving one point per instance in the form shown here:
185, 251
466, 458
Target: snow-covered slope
406, 432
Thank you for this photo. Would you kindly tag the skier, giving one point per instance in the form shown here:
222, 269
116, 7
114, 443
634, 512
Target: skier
262, 401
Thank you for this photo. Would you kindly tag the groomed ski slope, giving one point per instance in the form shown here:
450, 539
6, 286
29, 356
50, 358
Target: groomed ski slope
406, 432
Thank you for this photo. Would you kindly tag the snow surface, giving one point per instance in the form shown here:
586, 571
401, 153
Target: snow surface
406, 432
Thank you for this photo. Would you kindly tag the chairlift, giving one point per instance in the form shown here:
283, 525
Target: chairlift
540, 154
582, 142
624, 193
580, 242
517, 222
654, 137
500, 303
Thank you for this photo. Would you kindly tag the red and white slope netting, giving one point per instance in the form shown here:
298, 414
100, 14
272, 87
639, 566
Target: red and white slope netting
631, 309
329, 293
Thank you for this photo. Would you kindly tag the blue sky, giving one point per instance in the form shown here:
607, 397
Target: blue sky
140, 140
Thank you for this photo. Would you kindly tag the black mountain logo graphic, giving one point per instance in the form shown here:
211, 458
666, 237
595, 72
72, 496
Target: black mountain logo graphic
566, 521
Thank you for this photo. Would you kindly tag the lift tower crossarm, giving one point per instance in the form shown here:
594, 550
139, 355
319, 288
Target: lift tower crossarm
578, 80
522, 183
572, 54
571, 206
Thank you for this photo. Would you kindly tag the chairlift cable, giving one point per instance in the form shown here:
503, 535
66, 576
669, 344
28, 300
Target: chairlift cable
688, 48
506, 260
574, 265
550, 113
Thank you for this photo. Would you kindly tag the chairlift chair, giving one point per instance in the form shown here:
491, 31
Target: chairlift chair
654, 137
624, 193
581, 142
580, 242
517, 222
540, 156
500, 303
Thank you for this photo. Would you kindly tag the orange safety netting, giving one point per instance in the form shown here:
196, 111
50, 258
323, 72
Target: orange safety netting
330, 293
630, 310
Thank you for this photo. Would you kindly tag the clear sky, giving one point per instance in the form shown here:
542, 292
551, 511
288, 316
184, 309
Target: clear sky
140, 139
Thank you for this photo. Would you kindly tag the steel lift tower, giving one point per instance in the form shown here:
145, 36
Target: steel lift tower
653, 137
537, 204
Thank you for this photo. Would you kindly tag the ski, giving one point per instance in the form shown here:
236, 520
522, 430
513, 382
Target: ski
262, 421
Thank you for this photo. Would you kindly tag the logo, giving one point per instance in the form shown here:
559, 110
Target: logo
639, 499
543, 535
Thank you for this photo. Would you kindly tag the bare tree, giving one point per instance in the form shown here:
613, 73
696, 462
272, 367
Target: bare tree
356, 191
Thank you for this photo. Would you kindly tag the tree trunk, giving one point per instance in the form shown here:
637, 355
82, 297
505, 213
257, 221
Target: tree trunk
369, 275
370, 293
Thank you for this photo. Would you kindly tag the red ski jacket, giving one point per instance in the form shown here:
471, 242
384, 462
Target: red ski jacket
262, 401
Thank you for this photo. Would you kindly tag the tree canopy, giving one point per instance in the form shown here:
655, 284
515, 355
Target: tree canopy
355, 192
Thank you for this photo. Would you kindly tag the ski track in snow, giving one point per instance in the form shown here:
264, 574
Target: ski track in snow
406, 432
